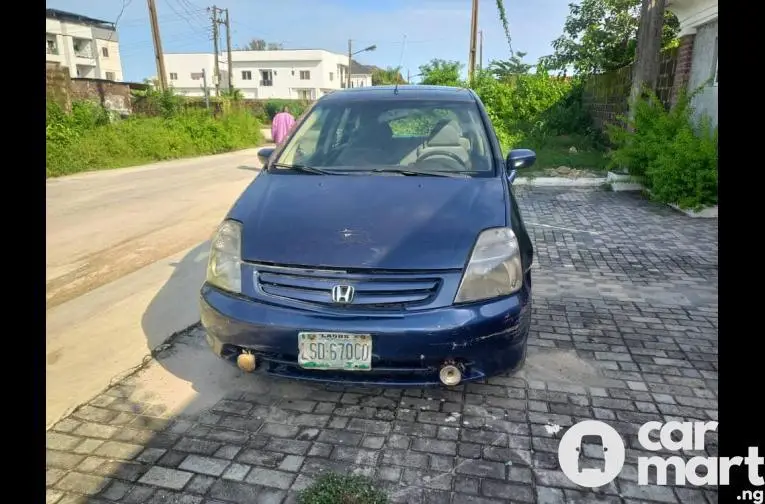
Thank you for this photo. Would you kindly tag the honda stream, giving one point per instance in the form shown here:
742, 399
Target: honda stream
381, 243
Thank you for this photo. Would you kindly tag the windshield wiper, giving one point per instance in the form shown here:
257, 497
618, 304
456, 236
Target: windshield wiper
304, 168
422, 173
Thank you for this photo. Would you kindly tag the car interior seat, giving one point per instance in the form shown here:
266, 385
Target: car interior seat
370, 145
446, 136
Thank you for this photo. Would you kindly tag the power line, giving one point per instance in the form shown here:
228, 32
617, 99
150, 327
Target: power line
125, 4
164, 19
192, 6
182, 16
139, 52
173, 38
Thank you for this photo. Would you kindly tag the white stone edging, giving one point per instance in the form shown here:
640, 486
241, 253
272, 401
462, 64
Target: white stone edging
704, 213
559, 182
618, 182
623, 182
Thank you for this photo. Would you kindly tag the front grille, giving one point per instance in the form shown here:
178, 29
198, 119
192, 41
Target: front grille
372, 290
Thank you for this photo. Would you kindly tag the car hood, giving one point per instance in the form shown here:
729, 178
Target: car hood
379, 222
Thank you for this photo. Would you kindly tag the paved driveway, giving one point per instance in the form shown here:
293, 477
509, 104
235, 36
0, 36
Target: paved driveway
625, 331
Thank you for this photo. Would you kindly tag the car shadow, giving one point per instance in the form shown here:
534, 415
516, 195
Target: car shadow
183, 351
251, 168
173, 309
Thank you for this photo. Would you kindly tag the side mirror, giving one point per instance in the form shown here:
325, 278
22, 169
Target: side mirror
264, 155
518, 159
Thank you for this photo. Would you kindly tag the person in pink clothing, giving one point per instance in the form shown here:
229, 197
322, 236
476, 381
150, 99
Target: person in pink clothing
281, 125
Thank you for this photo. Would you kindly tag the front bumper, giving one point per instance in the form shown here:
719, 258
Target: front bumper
408, 348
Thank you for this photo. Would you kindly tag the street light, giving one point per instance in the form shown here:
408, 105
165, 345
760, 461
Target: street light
351, 54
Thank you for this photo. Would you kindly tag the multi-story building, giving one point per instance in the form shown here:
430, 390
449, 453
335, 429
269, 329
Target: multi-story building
299, 74
696, 69
88, 47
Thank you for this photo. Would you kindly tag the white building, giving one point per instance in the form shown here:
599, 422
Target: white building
697, 59
88, 47
304, 74
361, 80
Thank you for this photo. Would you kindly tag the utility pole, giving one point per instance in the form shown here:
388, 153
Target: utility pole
158, 55
228, 50
207, 93
216, 69
407, 76
473, 34
646, 69
350, 55
480, 50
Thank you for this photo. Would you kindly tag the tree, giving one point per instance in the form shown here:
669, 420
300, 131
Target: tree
502, 69
650, 31
262, 45
601, 35
441, 73
388, 76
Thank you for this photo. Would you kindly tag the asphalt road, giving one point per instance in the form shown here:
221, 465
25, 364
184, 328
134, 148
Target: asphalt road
104, 225
125, 258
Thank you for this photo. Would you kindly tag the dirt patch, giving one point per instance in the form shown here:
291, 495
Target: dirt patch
108, 265
563, 366
572, 173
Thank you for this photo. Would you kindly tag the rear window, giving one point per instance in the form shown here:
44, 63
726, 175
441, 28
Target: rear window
362, 135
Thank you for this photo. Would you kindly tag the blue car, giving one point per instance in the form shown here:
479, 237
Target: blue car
381, 244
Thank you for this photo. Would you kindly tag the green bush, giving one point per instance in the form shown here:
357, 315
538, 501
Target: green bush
296, 107
332, 488
155, 102
529, 109
673, 153
83, 141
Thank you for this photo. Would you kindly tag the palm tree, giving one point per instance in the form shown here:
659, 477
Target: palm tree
502, 69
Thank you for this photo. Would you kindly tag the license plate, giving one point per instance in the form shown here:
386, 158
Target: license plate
348, 352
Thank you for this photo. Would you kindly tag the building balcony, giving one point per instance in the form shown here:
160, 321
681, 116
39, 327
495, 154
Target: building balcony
266, 83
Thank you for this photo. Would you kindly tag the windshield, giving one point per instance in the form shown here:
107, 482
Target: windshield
415, 136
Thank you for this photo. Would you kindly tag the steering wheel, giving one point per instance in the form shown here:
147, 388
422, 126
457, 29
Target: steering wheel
453, 160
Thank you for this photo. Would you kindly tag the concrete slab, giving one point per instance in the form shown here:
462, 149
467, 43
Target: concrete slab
107, 332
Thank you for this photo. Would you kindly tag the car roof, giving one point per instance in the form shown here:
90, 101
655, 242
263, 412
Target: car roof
402, 92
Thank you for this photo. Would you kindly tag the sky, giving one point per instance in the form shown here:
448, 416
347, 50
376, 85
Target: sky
407, 33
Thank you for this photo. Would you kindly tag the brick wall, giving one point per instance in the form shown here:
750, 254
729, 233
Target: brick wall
62, 89
683, 66
606, 95
58, 85
112, 95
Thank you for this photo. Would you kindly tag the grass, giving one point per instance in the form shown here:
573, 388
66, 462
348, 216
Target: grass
76, 145
333, 488
553, 152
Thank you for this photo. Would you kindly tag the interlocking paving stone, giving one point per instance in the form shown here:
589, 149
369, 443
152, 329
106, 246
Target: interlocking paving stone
625, 297
166, 478
204, 465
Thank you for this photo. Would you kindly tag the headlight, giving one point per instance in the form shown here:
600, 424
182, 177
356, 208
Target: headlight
224, 267
494, 269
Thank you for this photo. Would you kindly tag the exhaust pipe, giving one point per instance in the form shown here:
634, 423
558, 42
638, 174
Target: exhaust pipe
246, 361
450, 374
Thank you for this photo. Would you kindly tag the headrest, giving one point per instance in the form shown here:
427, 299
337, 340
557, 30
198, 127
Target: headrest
447, 136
